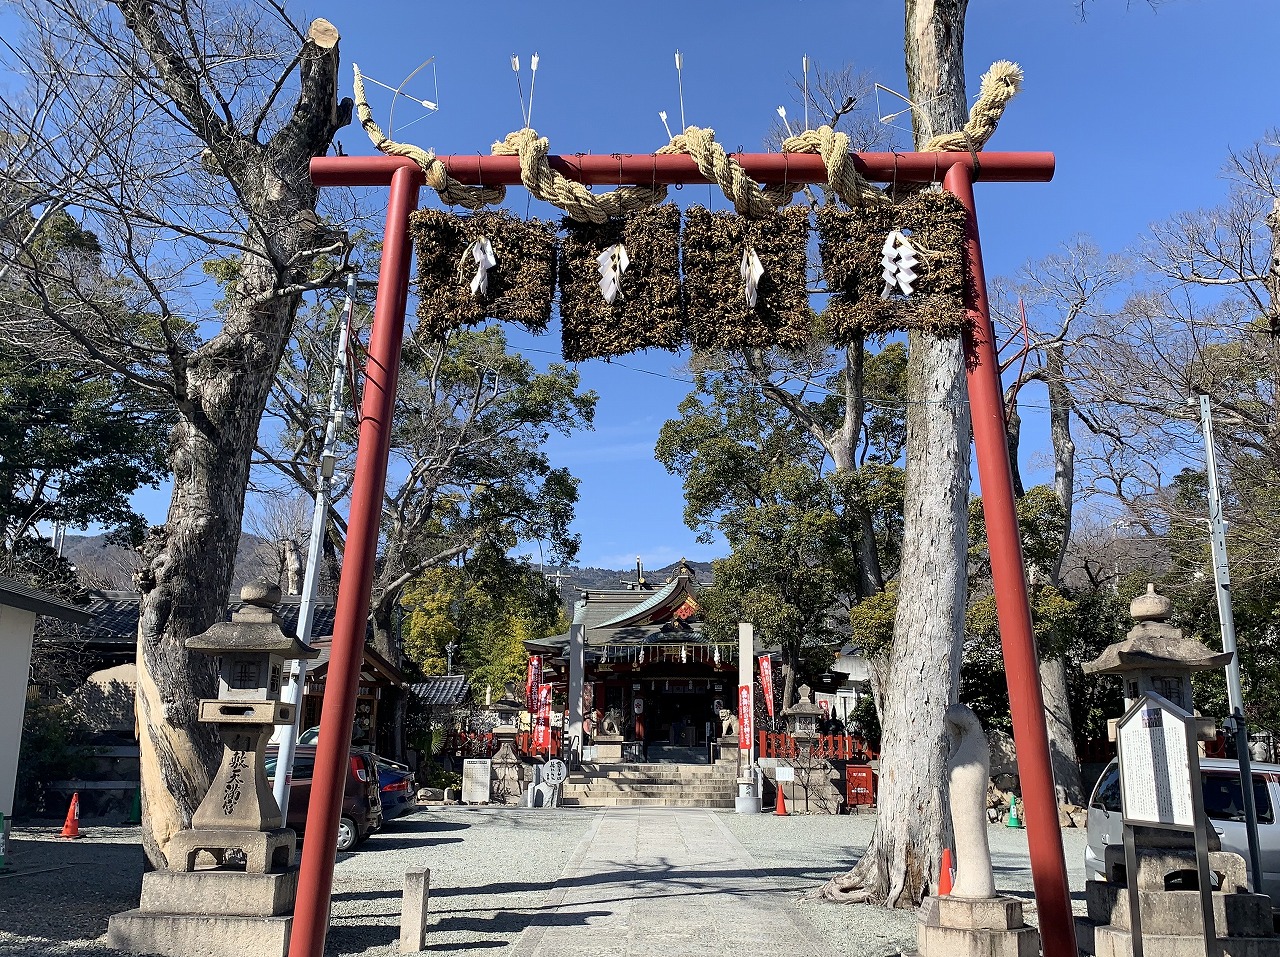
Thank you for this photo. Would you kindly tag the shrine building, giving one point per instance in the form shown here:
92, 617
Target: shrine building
649, 669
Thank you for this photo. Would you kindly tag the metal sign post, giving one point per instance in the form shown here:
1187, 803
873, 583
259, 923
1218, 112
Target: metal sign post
1160, 787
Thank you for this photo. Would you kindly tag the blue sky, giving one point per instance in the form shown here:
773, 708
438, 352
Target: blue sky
1139, 105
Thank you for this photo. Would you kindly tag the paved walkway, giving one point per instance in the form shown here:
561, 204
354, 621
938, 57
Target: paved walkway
671, 882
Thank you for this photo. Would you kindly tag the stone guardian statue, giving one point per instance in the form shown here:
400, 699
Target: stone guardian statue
968, 771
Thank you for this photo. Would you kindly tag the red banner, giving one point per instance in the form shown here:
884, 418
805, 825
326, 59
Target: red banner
744, 718
531, 681
766, 682
542, 725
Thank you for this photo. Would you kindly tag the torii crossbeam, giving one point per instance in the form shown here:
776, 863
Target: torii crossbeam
957, 172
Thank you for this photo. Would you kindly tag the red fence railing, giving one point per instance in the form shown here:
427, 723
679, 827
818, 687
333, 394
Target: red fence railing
475, 744
835, 747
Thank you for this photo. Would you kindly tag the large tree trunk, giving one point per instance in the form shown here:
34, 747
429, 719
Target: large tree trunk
221, 390
1053, 672
914, 824
184, 586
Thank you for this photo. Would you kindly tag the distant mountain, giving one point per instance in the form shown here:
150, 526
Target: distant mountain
580, 579
107, 566
103, 565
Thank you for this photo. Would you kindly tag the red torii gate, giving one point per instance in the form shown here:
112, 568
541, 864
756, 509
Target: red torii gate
958, 172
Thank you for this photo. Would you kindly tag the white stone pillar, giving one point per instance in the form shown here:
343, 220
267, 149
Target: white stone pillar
748, 800
573, 732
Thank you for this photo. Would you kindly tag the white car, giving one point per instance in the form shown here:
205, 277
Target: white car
1223, 806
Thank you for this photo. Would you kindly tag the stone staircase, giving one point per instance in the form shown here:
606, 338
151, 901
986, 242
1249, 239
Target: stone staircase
661, 783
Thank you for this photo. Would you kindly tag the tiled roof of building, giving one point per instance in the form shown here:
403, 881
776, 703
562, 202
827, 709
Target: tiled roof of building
115, 616
17, 595
443, 690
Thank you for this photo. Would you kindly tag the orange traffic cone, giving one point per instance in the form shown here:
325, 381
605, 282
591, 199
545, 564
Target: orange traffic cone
781, 809
945, 877
72, 826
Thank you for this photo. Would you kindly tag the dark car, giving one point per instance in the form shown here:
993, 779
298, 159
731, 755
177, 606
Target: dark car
399, 795
361, 802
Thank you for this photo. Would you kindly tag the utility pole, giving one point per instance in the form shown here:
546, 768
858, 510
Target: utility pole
1222, 586
292, 690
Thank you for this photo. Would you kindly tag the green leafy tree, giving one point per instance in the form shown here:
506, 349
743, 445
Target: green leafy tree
487, 608
800, 524
469, 471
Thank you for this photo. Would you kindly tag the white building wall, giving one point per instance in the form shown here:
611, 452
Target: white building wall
16, 628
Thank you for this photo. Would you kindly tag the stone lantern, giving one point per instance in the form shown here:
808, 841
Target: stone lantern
1154, 656
802, 717
226, 910
507, 779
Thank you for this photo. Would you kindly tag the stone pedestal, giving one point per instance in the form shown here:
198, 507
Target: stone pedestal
609, 748
180, 915
1172, 923
975, 927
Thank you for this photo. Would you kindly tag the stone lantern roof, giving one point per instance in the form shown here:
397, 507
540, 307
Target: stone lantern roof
255, 627
804, 707
1153, 643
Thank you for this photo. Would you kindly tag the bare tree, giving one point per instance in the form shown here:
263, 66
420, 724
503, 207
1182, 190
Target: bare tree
1050, 312
181, 133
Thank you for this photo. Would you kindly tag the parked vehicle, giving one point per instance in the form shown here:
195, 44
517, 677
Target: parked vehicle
361, 801
397, 782
399, 789
1223, 806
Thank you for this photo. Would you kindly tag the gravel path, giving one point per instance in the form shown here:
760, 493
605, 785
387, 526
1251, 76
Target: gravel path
497, 871
786, 848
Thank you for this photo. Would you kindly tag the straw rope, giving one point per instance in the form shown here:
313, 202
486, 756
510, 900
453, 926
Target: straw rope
437, 177
571, 196
747, 196
843, 177
1000, 84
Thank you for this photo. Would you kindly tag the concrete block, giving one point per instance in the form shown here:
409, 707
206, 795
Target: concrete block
197, 935
413, 910
1178, 912
234, 893
1155, 864
996, 913
1114, 942
935, 941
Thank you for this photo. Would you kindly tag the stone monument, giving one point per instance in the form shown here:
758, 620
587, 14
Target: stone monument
1155, 658
507, 781
972, 921
238, 908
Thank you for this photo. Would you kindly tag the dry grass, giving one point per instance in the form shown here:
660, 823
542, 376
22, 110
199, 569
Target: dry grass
521, 285
851, 243
719, 317
650, 312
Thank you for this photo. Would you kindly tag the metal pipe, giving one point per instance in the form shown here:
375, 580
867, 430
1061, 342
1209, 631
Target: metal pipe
292, 693
1227, 621
315, 879
649, 169
1017, 640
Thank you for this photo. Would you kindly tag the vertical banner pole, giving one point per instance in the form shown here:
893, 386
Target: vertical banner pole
1013, 608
